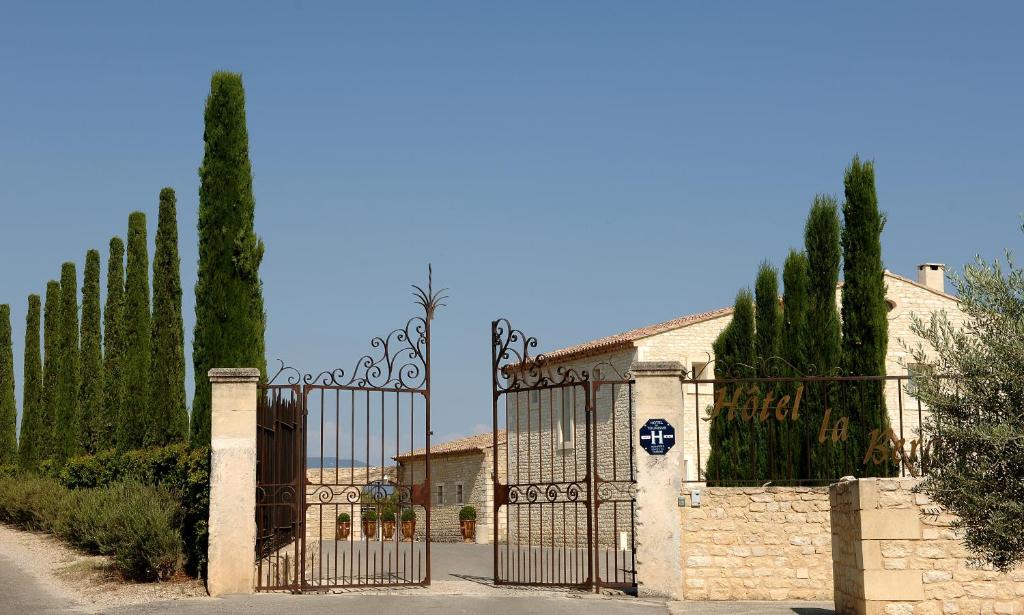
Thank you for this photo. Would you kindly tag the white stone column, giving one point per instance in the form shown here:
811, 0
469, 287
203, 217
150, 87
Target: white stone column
658, 394
232, 481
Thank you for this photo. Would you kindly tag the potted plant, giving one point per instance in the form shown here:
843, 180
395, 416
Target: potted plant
467, 522
370, 523
387, 517
344, 526
408, 524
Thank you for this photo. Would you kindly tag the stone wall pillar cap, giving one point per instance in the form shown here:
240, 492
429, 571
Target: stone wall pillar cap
234, 374
657, 368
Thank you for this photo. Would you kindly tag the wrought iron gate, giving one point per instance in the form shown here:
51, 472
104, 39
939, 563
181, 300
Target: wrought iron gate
333, 508
564, 482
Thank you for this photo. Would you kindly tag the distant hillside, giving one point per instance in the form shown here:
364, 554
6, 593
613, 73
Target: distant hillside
331, 462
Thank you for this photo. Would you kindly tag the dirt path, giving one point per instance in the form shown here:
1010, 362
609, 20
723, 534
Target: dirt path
42, 574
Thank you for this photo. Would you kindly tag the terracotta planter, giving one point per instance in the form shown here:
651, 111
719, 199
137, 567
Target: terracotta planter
369, 529
468, 527
389, 530
344, 530
408, 529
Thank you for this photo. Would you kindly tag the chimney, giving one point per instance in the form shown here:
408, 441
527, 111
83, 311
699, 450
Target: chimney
932, 275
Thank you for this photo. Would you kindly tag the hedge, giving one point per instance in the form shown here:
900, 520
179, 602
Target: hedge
182, 471
137, 525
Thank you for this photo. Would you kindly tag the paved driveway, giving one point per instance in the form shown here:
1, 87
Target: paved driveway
462, 586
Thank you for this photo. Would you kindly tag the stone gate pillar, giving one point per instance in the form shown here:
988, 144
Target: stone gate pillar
657, 394
232, 481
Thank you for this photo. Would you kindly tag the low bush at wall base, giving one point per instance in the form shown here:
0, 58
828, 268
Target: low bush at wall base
137, 525
183, 471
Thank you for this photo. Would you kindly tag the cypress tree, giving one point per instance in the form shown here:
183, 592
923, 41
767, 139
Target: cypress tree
230, 321
865, 324
138, 338
168, 415
51, 370
91, 399
32, 397
728, 460
113, 350
794, 348
8, 406
822, 243
67, 424
767, 445
768, 317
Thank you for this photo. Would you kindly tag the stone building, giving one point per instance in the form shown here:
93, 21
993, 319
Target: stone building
460, 475
689, 340
546, 436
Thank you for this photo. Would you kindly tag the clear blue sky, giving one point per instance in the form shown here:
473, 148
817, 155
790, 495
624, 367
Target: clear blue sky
581, 168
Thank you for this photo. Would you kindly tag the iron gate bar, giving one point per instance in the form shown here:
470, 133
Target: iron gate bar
616, 490
398, 369
570, 559
278, 437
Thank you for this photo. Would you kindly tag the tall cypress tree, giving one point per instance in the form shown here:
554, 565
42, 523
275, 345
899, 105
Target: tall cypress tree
91, 397
168, 415
728, 460
51, 371
230, 321
32, 395
8, 406
113, 350
138, 338
68, 414
768, 329
822, 243
865, 324
793, 348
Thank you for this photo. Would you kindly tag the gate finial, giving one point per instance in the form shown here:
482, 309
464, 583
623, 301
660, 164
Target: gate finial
429, 300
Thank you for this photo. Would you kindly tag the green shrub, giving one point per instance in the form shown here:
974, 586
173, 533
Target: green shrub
136, 524
183, 471
388, 516
370, 515
408, 514
344, 518
467, 513
146, 522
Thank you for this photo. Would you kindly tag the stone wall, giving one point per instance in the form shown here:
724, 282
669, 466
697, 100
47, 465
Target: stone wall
547, 455
764, 543
896, 554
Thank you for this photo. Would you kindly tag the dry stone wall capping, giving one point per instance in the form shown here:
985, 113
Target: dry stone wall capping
896, 553
761, 543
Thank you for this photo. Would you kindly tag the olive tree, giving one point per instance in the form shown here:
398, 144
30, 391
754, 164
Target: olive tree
974, 386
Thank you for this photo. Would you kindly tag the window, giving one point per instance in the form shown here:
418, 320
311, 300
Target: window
459, 495
699, 371
567, 423
534, 399
439, 494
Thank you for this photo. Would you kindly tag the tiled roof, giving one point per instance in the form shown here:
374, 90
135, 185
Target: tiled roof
462, 445
626, 339
897, 276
